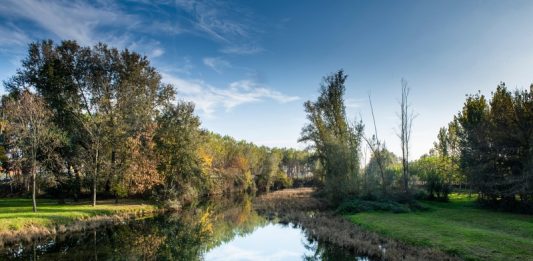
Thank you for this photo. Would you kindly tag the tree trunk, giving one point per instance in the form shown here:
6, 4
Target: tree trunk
382, 172
95, 180
406, 176
33, 175
77, 185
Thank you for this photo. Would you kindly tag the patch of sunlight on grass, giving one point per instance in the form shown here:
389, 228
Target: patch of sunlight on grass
458, 227
17, 214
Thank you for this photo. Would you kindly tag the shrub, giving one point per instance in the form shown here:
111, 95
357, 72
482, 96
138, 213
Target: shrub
356, 205
281, 181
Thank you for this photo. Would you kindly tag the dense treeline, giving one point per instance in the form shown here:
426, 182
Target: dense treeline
238, 165
489, 145
496, 145
97, 120
80, 121
487, 149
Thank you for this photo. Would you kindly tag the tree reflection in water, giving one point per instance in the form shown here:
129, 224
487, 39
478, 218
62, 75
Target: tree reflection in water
186, 235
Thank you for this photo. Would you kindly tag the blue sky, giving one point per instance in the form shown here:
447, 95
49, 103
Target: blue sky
250, 65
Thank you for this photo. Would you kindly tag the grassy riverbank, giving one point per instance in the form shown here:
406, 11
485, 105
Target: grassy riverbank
458, 227
299, 206
17, 221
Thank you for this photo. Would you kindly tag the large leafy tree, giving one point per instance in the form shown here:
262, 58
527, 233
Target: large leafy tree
495, 145
99, 96
335, 141
178, 139
123, 134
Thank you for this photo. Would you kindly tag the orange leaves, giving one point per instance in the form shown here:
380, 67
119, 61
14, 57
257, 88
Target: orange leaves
141, 173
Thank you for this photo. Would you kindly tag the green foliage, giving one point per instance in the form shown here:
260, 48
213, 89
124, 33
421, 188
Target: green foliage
30, 134
298, 163
496, 154
122, 135
99, 96
177, 141
231, 165
488, 147
356, 205
335, 142
373, 183
281, 181
437, 173
120, 190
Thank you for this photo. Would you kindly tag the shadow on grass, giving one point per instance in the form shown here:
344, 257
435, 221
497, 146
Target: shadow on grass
41, 215
23, 205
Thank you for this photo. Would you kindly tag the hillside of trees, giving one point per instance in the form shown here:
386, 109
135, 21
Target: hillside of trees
96, 121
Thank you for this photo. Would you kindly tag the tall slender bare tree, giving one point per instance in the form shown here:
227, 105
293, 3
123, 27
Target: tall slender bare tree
377, 147
406, 122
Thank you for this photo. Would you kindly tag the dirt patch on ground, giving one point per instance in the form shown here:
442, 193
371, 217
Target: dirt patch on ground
301, 207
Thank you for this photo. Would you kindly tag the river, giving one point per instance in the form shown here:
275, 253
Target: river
220, 229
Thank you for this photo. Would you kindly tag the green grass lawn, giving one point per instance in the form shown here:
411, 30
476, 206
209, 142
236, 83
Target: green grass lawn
458, 227
16, 214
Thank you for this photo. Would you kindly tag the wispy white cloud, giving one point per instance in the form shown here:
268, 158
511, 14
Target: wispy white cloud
67, 19
157, 52
250, 90
216, 63
209, 98
223, 23
12, 35
183, 66
145, 46
89, 22
166, 27
212, 19
85, 22
242, 49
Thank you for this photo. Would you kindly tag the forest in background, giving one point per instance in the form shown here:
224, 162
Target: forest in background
86, 121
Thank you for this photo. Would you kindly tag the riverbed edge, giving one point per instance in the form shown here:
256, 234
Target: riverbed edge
303, 207
34, 232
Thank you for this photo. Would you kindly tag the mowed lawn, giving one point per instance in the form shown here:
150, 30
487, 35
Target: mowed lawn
458, 227
17, 214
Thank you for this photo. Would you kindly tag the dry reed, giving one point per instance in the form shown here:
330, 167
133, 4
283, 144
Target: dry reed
299, 206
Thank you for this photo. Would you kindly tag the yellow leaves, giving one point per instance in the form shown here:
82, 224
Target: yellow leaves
240, 162
148, 245
246, 212
205, 157
206, 227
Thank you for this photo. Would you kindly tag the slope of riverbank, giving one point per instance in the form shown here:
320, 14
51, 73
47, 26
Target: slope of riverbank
300, 207
457, 227
18, 222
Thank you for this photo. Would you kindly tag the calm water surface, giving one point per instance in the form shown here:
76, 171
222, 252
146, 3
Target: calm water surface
218, 230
